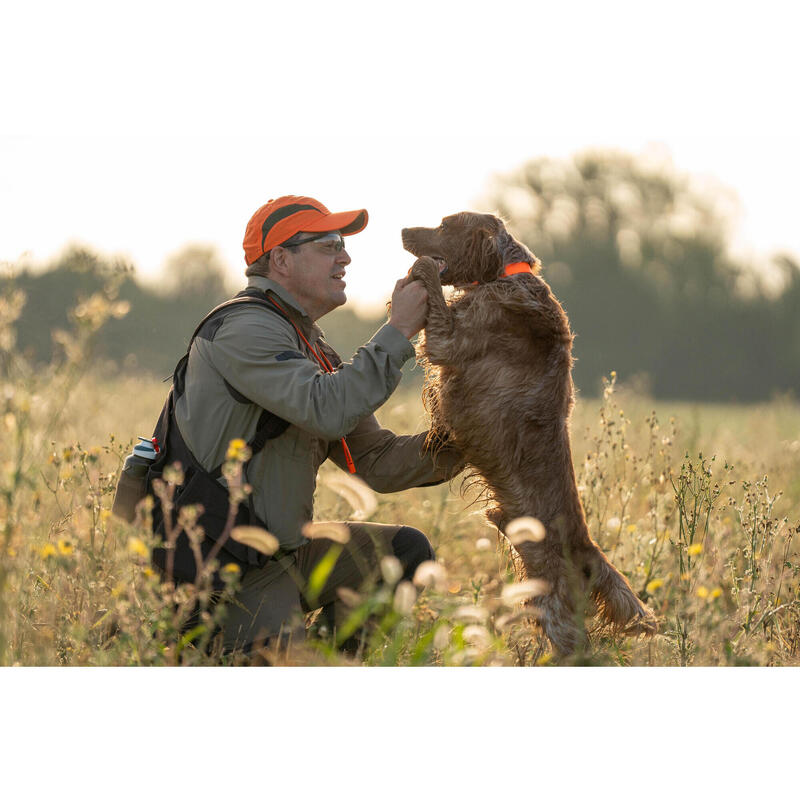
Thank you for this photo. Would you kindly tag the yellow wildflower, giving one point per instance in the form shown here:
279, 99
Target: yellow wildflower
234, 569
695, 549
105, 514
148, 573
715, 593
237, 450
653, 585
631, 528
65, 547
137, 547
702, 591
47, 551
67, 453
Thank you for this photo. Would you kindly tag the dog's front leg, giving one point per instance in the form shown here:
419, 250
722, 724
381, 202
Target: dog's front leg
439, 327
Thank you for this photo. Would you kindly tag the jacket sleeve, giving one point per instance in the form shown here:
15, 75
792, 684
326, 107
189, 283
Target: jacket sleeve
259, 355
391, 463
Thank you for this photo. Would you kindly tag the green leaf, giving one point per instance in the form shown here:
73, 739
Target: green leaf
320, 574
190, 636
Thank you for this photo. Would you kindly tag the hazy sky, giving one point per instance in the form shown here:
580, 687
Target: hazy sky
138, 133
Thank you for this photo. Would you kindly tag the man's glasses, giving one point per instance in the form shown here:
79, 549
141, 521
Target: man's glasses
332, 241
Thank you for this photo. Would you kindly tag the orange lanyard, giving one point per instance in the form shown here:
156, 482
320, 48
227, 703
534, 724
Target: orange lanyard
322, 360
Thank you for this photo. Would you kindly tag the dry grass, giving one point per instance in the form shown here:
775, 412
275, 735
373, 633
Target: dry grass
696, 504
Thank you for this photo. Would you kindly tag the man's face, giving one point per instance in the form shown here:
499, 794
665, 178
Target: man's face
316, 274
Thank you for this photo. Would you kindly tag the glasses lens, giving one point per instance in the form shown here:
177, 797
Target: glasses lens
332, 241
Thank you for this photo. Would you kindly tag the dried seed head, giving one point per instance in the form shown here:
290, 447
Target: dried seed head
483, 544
525, 529
471, 614
335, 531
477, 636
430, 573
360, 497
517, 592
350, 598
405, 595
257, 538
391, 569
442, 637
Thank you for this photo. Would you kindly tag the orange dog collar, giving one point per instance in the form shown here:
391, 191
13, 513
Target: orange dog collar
517, 267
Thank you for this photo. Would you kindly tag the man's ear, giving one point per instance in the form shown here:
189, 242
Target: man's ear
280, 261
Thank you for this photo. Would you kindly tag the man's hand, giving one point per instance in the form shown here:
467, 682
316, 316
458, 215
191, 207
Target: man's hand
409, 307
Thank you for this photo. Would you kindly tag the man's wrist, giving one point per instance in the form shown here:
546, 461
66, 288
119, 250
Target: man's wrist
405, 330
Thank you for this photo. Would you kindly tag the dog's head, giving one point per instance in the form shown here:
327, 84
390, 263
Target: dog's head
469, 247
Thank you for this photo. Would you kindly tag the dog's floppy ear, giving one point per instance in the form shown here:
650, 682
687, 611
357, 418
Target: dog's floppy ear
485, 253
504, 240
512, 251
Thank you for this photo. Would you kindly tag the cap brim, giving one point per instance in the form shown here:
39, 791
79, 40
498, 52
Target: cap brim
346, 222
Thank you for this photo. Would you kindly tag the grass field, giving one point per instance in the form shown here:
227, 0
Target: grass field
696, 504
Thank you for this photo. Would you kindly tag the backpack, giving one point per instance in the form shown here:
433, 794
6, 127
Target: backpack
199, 486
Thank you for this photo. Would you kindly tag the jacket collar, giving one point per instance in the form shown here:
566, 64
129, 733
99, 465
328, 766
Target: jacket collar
289, 303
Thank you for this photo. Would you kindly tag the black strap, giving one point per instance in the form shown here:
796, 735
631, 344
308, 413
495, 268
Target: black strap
250, 295
269, 425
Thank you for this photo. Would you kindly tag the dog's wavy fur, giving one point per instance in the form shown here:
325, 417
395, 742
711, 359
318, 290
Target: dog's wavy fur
498, 385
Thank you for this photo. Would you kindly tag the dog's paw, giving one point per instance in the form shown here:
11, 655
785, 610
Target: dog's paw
426, 270
643, 623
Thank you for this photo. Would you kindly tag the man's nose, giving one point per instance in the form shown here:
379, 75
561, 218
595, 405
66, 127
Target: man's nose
343, 258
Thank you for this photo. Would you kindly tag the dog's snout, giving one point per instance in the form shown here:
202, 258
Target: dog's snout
419, 241
409, 234
410, 238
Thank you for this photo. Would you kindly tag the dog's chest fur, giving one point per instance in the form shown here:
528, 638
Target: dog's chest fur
513, 373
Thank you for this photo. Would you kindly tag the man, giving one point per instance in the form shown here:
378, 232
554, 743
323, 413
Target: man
256, 360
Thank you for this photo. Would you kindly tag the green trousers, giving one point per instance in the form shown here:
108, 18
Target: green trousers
273, 599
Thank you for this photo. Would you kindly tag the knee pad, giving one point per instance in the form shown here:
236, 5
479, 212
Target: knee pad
411, 547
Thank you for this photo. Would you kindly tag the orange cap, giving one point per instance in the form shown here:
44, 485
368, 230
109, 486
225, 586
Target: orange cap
279, 220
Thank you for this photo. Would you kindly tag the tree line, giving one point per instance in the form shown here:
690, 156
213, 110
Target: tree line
639, 258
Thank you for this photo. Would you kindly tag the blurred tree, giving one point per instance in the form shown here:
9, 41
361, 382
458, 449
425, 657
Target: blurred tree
197, 270
154, 334
638, 256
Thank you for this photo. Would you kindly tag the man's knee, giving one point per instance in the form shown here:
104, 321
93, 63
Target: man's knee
411, 547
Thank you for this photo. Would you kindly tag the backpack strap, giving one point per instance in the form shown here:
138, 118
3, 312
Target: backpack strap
269, 425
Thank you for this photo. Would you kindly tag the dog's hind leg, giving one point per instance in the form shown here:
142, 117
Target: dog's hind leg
616, 602
560, 606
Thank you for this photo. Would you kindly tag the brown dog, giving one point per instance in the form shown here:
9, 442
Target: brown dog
499, 386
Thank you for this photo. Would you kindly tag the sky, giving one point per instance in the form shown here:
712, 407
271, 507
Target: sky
136, 134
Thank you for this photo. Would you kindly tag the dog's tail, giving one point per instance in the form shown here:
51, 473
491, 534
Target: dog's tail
616, 602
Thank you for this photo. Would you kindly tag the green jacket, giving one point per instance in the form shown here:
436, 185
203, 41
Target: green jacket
261, 356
